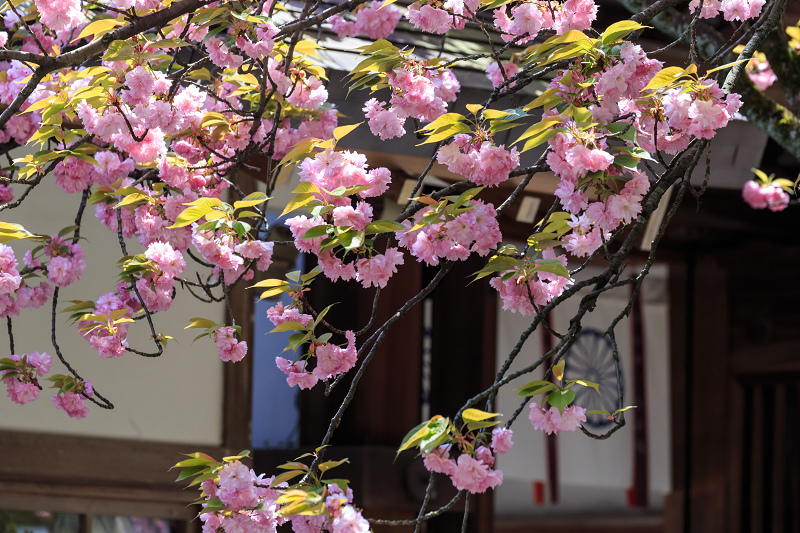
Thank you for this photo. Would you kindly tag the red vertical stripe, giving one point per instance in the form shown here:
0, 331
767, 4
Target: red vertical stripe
551, 440
538, 492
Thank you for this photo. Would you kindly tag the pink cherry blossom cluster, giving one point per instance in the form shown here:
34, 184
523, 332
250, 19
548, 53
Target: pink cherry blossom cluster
331, 169
340, 516
21, 126
232, 256
675, 115
6, 194
301, 89
11, 283
571, 160
469, 472
699, 112
373, 19
230, 348
730, 9
583, 158
152, 220
552, 421
417, 92
618, 85
110, 339
75, 175
478, 160
38, 36
259, 45
759, 196
10, 278
452, 237
761, 74
72, 402
500, 72
319, 125
529, 287
60, 15
372, 270
437, 16
367, 266
331, 361
252, 504
529, 18
66, 262
278, 314
23, 386
156, 288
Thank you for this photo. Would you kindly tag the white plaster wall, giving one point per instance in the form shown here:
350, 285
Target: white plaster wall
593, 475
175, 398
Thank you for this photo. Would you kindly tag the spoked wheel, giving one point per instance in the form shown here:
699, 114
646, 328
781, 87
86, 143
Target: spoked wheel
592, 358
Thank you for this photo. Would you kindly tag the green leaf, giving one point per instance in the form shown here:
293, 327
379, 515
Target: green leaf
288, 326
561, 399
316, 231
192, 471
327, 465
446, 132
501, 125
435, 436
341, 131
546, 100
119, 51
274, 292
286, 476
552, 266
727, 65
558, 370
497, 263
99, 28
191, 214
414, 436
384, 226
618, 30
270, 283
477, 419
534, 388
132, 199
539, 127
664, 78
293, 465
555, 41
251, 200
584, 383
466, 196
301, 200
201, 323
351, 239
447, 119
173, 42
626, 161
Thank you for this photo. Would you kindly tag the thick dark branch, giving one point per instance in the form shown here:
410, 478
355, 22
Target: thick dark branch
307, 22
646, 15
24, 57
774, 21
